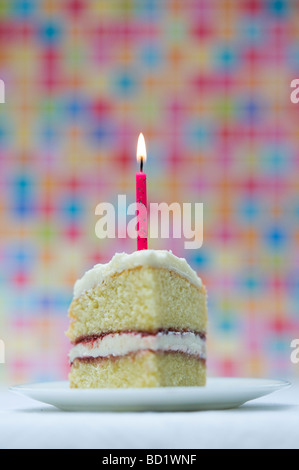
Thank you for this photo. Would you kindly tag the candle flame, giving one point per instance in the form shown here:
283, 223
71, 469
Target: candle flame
141, 148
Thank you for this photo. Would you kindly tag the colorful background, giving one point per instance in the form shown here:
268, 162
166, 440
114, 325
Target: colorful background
208, 83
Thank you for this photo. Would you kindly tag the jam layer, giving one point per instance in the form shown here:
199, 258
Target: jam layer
123, 343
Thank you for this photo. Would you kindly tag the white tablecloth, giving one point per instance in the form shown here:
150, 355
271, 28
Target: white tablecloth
269, 422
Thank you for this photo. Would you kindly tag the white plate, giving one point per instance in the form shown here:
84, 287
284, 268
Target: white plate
220, 393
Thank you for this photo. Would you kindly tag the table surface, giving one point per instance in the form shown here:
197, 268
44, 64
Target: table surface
270, 422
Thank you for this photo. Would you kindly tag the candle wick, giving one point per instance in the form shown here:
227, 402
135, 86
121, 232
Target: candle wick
141, 164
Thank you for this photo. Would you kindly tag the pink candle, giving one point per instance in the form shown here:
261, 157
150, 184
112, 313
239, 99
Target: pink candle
141, 199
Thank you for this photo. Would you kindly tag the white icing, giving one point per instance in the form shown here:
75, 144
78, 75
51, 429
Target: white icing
123, 261
120, 344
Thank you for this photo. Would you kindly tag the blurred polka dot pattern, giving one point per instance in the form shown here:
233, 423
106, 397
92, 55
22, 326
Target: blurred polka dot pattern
208, 83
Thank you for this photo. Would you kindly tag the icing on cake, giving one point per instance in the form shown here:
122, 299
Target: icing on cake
124, 261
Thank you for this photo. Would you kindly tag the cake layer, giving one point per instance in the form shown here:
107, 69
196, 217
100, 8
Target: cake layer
124, 261
143, 369
139, 299
121, 344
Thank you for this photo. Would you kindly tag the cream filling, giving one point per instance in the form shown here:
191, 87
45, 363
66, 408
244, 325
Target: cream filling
120, 344
123, 261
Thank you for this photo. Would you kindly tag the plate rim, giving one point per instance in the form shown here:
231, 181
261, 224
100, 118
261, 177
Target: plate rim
40, 386
151, 399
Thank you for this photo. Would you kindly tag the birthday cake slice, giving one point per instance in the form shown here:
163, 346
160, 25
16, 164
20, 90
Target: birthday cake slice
138, 321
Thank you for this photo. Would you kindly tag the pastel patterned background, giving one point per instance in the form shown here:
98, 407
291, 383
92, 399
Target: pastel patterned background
208, 83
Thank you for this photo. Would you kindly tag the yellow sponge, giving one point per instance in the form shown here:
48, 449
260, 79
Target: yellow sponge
144, 326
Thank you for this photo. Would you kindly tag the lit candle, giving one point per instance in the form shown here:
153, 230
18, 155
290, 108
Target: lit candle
141, 196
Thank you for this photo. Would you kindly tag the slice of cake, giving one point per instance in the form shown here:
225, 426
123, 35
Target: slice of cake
138, 321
